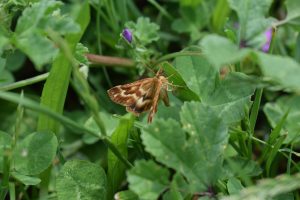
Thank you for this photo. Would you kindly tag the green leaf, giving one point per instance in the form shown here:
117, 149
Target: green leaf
26, 180
228, 97
193, 19
271, 67
80, 179
144, 30
220, 51
198, 158
240, 167
116, 169
5, 144
32, 17
252, 19
180, 88
179, 188
6, 77
35, 153
147, 179
234, 185
293, 12
37, 47
268, 188
15, 61
31, 27
80, 52
3, 42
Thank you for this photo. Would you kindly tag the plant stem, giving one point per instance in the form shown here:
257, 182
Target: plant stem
110, 61
25, 82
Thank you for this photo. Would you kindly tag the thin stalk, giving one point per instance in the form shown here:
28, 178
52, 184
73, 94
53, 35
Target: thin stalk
110, 61
162, 10
25, 82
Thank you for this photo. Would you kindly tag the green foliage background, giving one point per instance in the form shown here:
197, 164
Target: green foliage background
232, 129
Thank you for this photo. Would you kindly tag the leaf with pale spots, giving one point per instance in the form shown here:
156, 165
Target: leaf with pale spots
199, 156
81, 179
35, 153
148, 179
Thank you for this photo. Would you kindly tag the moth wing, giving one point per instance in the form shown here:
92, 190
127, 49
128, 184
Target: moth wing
145, 102
128, 94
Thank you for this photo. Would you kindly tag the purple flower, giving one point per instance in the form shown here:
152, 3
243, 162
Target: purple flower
127, 35
268, 34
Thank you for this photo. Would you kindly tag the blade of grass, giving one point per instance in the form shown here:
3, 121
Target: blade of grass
273, 153
274, 135
255, 109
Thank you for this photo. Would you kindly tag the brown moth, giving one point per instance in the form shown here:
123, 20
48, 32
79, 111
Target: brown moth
142, 95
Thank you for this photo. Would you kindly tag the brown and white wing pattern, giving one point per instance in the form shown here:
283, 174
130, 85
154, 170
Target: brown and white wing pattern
136, 96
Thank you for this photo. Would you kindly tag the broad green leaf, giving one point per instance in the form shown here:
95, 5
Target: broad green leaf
32, 17
268, 188
252, 19
6, 77
276, 111
283, 70
179, 188
234, 185
180, 88
148, 179
239, 167
35, 153
5, 144
198, 158
193, 19
228, 97
220, 51
293, 12
80, 179
3, 42
116, 169
26, 180
37, 47
144, 30
126, 195
110, 126
35, 21
15, 61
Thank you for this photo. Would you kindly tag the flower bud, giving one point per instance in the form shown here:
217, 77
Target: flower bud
127, 35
